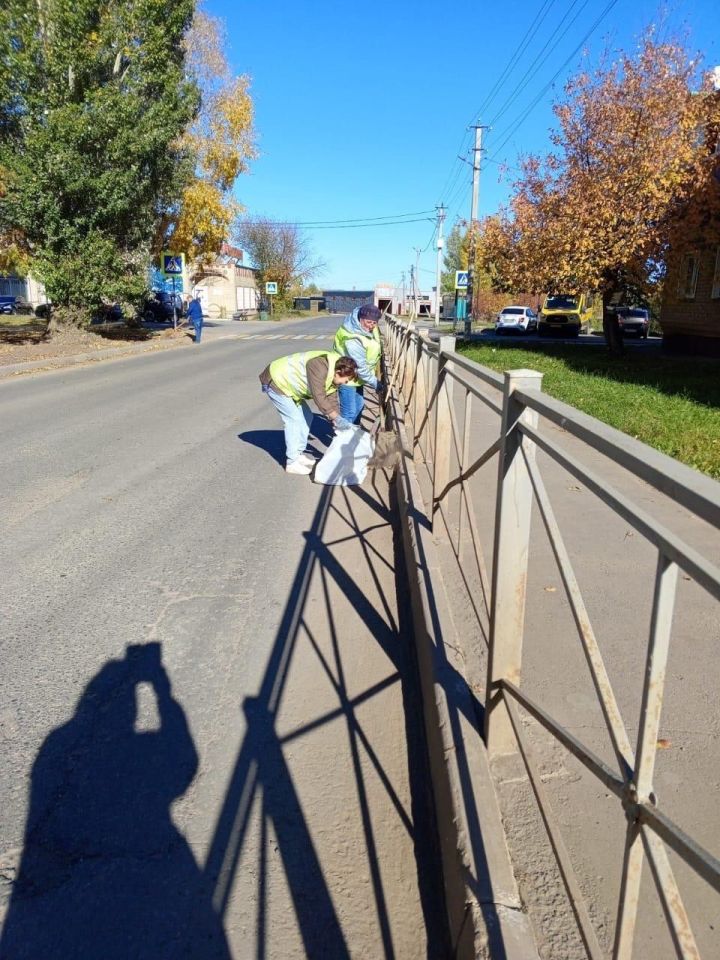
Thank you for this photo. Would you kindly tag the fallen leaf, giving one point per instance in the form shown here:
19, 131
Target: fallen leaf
550, 589
664, 744
574, 487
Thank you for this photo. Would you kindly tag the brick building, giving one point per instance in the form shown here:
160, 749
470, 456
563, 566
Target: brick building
690, 311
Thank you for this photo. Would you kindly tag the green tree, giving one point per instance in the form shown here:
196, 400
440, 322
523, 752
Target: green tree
455, 258
94, 99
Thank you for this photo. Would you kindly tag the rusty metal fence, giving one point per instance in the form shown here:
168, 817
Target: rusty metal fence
437, 390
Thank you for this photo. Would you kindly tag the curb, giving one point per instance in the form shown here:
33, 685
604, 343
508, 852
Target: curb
57, 363
485, 915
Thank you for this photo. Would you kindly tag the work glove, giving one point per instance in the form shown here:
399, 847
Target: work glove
340, 423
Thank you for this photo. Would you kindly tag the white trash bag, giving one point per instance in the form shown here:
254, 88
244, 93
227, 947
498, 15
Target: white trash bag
346, 459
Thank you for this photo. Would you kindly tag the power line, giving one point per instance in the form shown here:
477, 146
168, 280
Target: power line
455, 173
451, 179
515, 126
530, 72
519, 50
432, 237
349, 220
356, 226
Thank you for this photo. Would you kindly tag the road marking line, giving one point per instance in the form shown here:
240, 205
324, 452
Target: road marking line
302, 336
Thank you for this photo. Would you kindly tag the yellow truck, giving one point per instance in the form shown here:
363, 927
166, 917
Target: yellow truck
566, 314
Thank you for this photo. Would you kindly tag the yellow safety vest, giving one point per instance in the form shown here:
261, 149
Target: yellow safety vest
289, 374
370, 341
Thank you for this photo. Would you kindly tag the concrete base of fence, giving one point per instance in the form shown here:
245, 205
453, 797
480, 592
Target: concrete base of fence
485, 914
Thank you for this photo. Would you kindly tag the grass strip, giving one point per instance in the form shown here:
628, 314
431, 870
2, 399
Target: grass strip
670, 403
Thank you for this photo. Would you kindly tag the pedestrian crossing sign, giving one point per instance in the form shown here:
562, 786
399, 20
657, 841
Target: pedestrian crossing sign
461, 279
271, 287
173, 264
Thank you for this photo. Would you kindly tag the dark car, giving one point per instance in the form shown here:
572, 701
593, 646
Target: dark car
10, 305
160, 307
109, 313
634, 320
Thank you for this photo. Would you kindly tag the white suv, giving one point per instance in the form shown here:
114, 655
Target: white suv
521, 319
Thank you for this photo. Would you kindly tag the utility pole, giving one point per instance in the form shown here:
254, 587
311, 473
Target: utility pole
438, 268
415, 273
402, 308
477, 151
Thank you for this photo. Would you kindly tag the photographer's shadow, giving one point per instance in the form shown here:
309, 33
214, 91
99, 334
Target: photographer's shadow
105, 873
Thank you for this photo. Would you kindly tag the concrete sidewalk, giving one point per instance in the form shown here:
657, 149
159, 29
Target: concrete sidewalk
324, 825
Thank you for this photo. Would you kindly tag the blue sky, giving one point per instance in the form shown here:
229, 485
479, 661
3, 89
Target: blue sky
362, 109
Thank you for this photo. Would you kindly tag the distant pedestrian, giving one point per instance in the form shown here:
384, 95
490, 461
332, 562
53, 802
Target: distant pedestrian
290, 382
195, 316
359, 339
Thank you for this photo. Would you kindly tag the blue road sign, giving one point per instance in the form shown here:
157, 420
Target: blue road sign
172, 264
461, 279
169, 284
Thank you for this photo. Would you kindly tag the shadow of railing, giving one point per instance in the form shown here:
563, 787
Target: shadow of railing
261, 773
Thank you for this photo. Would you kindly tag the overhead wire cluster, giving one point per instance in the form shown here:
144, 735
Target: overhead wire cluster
390, 220
456, 186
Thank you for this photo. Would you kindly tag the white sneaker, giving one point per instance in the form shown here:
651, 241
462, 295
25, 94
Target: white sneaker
299, 466
308, 458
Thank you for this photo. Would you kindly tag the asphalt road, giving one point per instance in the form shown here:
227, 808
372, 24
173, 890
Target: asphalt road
208, 726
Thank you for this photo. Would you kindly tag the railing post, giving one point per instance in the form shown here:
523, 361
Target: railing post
443, 426
420, 404
510, 559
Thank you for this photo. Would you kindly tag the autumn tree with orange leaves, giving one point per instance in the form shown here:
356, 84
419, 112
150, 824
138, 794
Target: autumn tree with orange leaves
599, 212
221, 142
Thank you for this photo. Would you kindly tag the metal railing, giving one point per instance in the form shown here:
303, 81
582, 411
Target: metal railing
434, 383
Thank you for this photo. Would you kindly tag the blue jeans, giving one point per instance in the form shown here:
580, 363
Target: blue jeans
351, 402
296, 418
198, 324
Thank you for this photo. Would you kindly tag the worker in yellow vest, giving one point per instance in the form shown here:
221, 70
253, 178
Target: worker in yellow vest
290, 382
359, 339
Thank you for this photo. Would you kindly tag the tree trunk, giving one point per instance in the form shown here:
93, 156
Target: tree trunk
52, 325
611, 327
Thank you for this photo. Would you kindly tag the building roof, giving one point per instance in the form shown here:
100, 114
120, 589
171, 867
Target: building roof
348, 293
227, 250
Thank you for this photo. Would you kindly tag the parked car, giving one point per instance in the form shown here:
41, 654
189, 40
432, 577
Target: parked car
519, 319
109, 313
10, 305
565, 314
159, 307
635, 320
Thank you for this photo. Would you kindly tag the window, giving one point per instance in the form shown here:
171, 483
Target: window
688, 276
716, 276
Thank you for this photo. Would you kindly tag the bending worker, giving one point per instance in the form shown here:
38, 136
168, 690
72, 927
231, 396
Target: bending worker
359, 339
290, 381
